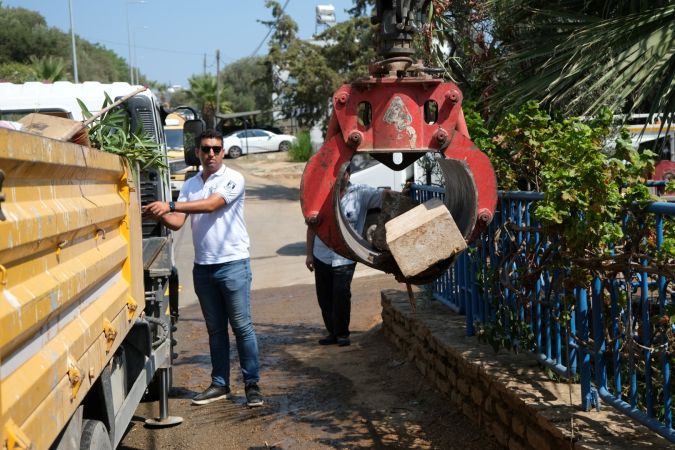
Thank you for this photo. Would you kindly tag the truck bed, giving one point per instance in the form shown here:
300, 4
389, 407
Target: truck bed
68, 248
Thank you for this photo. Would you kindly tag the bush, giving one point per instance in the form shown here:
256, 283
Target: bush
14, 72
301, 150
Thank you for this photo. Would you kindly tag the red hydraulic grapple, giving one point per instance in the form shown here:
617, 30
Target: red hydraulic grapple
400, 109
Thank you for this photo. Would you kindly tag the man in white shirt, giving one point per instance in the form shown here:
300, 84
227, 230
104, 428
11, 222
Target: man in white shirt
214, 200
333, 273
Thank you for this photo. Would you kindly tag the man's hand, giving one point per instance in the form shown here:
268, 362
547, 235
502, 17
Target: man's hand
155, 210
309, 262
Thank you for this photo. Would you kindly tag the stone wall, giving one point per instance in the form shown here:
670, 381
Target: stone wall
508, 395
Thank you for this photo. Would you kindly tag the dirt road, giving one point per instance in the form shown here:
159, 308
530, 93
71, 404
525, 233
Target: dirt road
363, 396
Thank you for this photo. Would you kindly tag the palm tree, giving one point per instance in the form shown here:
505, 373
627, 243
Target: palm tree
48, 68
203, 93
582, 55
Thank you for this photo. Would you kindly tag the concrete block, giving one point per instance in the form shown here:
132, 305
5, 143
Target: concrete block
393, 204
423, 236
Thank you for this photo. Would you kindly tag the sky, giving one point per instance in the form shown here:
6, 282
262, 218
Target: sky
171, 39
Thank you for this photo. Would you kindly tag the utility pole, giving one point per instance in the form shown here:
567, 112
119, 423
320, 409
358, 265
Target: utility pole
204, 63
131, 56
217, 81
72, 39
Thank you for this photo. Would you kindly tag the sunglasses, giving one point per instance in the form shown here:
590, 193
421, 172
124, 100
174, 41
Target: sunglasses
207, 148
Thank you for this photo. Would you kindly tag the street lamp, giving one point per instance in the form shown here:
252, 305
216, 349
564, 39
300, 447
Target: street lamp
72, 38
131, 69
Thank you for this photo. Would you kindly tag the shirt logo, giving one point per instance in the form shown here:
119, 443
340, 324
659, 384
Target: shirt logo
231, 185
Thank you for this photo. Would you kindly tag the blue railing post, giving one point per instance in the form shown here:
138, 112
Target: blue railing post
468, 294
598, 335
585, 363
665, 364
565, 348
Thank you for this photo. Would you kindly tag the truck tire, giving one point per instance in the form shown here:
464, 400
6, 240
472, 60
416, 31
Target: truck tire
234, 152
94, 436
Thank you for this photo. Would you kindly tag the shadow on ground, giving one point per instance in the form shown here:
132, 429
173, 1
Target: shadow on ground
367, 395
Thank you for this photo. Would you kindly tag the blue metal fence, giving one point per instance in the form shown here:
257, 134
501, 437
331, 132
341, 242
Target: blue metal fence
600, 334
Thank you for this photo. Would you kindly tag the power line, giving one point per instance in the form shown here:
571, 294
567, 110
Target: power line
283, 8
165, 50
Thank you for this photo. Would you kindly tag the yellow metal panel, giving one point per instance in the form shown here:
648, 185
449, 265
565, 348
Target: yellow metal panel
40, 297
38, 384
57, 402
130, 229
70, 251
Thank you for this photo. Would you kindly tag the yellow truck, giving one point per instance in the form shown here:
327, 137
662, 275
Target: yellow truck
88, 293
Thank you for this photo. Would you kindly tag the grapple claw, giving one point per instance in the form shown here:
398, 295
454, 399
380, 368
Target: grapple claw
410, 116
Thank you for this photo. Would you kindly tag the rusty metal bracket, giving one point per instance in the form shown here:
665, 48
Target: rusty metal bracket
132, 306
110, 334
2, 196
75, 377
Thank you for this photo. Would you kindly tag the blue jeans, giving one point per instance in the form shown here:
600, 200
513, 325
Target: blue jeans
224, 292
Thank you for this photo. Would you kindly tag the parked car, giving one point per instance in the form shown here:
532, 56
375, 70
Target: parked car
256, 140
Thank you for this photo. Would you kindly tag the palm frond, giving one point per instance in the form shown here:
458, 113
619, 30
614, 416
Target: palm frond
586, 62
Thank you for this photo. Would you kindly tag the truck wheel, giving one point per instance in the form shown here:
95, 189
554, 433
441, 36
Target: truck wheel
234, 152
94, 436
284, 146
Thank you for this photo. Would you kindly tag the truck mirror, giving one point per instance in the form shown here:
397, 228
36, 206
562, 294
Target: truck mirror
192, 129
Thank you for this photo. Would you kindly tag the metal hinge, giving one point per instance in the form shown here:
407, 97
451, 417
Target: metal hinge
132, 306
110, 334
75, 378
16, 439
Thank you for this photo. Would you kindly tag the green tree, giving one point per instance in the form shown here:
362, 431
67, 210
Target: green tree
14, 72
202, 93
306, 73
24, 35
247, 85
350, 47
459, 36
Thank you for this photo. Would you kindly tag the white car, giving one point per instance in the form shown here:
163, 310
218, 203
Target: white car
255, 140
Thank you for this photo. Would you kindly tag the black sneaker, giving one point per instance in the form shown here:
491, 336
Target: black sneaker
211, 394
253, 395
328, 340
343, 341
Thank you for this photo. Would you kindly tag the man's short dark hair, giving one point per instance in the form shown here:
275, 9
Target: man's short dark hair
210, 133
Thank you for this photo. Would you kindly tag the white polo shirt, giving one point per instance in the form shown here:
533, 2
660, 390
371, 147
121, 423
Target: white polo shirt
355, 203
219, 236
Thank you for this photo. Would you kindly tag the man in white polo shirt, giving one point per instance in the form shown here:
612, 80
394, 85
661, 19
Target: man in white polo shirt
214, 200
